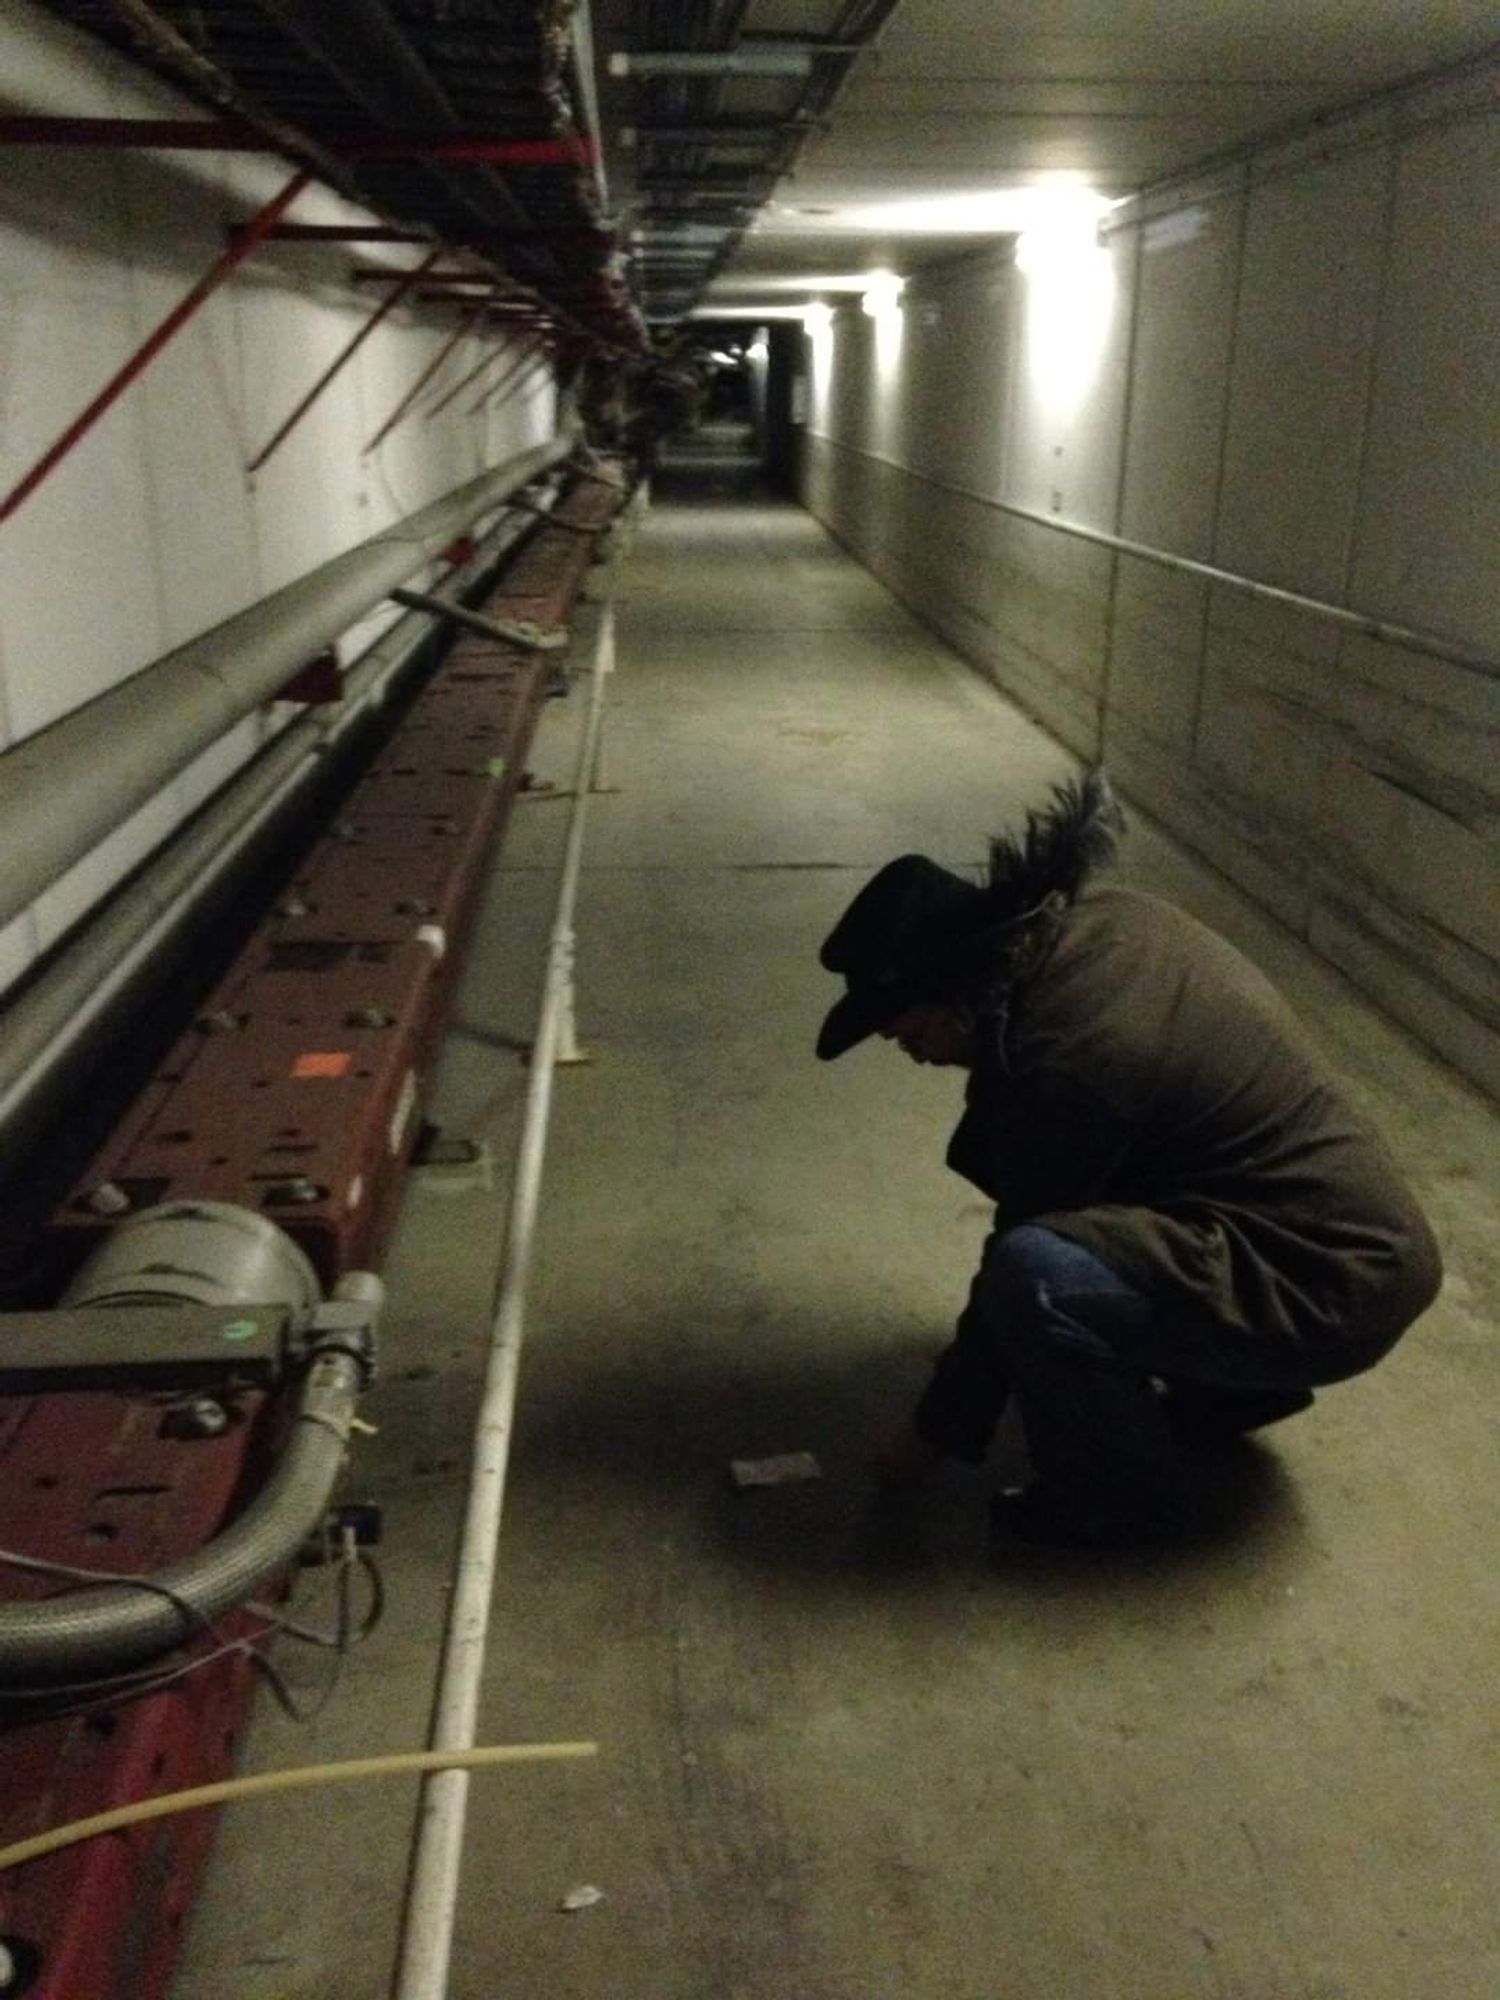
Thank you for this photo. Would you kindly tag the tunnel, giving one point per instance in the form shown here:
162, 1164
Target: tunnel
749, 1030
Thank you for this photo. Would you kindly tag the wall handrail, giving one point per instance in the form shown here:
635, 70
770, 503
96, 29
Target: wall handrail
1386, 631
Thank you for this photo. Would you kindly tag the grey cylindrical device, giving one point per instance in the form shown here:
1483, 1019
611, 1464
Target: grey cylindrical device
205, 1252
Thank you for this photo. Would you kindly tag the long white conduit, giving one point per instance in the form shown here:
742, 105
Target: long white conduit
432, 1889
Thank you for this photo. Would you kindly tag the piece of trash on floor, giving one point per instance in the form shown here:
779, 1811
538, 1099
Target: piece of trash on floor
584, 1897
785, 1469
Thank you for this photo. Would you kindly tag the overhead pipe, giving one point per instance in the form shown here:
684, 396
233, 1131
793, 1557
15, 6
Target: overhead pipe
366, 29
65, 789
92, 982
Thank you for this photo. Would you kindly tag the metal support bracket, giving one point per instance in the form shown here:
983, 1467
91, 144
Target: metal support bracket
504, 631
594, 529
401, 283
167, 1345
338, 1326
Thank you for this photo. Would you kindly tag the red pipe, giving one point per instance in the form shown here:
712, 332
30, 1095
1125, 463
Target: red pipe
464, 326
222, 268
393, 298
373, 274
496, 354
341, 232
338, 232
531, 363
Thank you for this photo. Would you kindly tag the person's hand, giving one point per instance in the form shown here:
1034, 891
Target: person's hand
905, 1461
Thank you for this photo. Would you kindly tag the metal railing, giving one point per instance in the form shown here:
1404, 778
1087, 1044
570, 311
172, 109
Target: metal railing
1387, 631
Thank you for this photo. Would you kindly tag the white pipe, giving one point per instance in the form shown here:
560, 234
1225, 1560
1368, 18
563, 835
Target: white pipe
432, 1890
68, 786
92, 980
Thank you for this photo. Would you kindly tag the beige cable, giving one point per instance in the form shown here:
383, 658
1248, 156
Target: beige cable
300, 1778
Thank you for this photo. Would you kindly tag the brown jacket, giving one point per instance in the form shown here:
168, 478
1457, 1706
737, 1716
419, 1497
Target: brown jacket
1150, 1097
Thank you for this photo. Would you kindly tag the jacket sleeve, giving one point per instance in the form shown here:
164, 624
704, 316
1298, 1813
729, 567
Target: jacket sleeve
1040, 1146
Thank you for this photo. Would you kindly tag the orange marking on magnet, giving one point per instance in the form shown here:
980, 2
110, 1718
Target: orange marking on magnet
323, 1062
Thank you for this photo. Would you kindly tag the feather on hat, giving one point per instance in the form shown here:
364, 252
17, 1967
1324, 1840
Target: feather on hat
916, 931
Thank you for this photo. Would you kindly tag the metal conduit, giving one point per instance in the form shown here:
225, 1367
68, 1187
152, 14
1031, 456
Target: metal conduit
95, 975
432, 1890
110, 1628
160, 1259
65, 789
1431, 644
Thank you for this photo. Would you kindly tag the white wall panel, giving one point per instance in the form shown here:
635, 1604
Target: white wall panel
1180, 376
192, 486
1063, 440
1300, 377
1156, 657
78, 556
1429, 519
964, 342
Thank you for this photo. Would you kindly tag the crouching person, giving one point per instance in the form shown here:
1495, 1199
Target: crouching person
1195, 1229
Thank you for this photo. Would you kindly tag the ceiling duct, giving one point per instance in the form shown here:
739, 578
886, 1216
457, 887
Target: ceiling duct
716, 104
436, 74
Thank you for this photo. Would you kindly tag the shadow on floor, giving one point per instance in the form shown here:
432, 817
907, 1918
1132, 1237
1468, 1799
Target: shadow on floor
659, 1430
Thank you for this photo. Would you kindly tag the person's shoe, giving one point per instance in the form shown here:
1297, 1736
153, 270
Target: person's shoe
1202, 1417
1046, 1519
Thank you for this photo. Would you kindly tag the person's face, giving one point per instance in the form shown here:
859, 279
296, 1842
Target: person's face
934, 1031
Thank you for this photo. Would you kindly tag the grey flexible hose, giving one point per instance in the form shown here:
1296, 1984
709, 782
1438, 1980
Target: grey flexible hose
87, 1633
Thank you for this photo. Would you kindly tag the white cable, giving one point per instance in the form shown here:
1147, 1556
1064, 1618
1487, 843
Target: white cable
432, 1888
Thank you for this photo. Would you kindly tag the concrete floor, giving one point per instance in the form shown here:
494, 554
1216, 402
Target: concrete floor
845, 1755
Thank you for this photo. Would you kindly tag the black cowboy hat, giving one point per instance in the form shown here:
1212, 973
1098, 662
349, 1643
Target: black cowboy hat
916, 931
908, 936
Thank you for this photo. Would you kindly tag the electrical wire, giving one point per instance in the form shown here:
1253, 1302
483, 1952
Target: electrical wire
72, 1573
89, 1697
300, 1778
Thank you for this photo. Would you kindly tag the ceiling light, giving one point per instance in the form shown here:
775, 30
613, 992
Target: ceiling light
793, 281
769, 59
713, 312
982, 212
817, 320
883, 293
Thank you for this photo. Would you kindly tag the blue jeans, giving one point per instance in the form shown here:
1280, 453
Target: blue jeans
1078, 1347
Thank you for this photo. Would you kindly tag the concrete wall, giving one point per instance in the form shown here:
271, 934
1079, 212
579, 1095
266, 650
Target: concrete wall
1288, 371
152, 531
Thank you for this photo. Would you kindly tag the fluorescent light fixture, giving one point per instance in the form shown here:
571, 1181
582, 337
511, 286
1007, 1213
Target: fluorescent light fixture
817, 320
1058, 242
713, 312
795, 281
883, 291
771, 59
981, 212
